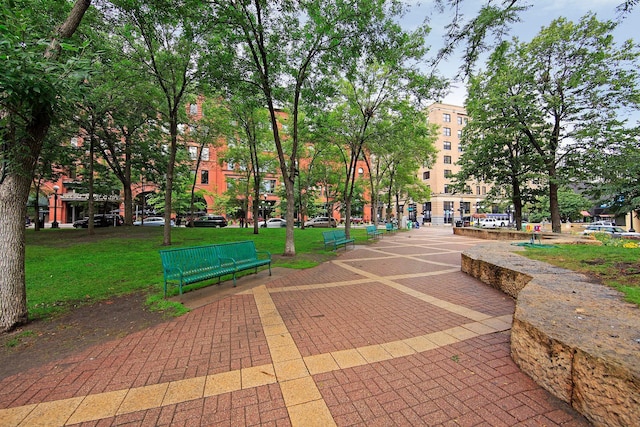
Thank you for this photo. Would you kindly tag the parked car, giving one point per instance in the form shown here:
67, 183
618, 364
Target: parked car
321, 221
489, 223
273, 223
613, 231
216, 221
600, 223
153, 221
100, 220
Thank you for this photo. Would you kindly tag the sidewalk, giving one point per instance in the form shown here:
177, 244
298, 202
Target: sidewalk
388, 334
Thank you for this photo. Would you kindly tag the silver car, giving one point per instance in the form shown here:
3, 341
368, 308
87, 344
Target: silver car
321, 221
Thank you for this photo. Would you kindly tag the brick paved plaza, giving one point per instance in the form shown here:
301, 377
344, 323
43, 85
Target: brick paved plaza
387, 334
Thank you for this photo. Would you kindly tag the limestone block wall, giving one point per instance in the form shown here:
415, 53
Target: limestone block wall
578, 339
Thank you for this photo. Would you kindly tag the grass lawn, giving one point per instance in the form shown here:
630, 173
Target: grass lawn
67, 267
616, 263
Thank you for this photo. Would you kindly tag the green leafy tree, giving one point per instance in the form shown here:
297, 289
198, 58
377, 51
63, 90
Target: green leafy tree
564, 91
163, 39
40, 61
404, 143
495, 151
571, 204
289, 50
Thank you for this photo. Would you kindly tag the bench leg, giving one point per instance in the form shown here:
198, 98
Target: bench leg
234, 280
269, 269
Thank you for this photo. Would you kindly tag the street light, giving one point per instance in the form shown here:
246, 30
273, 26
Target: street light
54, 224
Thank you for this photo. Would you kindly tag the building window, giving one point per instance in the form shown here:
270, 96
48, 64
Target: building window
360, 171
446, 145
193, 109
484, 190
231, 166
270, 185
478, 190
204, 154
447, 173
204, 177
446, 189
193, 153
466, 121
447, 160
459, 148
459, 120
446, 117
426, 175
446, 131
459, 134
74, 142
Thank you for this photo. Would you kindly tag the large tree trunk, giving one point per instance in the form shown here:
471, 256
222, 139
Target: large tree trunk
14, 193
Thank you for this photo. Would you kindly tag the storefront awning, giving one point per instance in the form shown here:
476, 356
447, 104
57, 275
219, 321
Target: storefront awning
585, 213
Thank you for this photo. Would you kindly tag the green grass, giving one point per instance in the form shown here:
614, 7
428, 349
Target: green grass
67, 267
613, 264
17, 339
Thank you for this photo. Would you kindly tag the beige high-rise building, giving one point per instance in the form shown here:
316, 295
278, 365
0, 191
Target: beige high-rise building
445, 205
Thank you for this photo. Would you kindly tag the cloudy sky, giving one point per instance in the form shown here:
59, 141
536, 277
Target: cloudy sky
538, 16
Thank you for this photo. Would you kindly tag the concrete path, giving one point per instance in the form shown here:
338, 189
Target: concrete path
387, 334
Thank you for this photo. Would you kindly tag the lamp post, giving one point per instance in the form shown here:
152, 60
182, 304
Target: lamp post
509, 212
54, 224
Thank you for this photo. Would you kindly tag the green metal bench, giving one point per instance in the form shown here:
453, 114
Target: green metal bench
336, 238
373, 232
190, 265
185, 266
391, 228
243, 256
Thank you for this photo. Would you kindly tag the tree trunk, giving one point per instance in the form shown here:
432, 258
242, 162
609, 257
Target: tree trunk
290, 247
554, 208
14, 193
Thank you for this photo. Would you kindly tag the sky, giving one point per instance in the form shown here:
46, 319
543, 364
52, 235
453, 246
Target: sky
539, 15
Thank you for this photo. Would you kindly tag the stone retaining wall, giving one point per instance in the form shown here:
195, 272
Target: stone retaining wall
578, 339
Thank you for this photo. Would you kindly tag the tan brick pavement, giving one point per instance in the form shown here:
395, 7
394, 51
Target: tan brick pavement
388, 334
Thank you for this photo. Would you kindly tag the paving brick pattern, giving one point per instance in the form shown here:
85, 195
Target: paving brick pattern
386, 334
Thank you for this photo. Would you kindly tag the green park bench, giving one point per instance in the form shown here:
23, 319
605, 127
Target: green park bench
391, 228
336, 238
373, 232
184, 266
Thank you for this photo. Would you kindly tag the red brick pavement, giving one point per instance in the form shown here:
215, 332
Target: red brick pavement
365, 299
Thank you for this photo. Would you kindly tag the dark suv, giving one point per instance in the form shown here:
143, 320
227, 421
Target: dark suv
100, 220
210, 221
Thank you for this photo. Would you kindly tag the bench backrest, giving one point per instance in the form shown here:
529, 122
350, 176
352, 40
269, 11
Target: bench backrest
339, 234
239, 251
189, 259
389, 226
371, 228
328, 236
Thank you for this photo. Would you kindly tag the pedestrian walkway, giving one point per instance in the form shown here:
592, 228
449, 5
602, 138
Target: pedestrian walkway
387, 334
